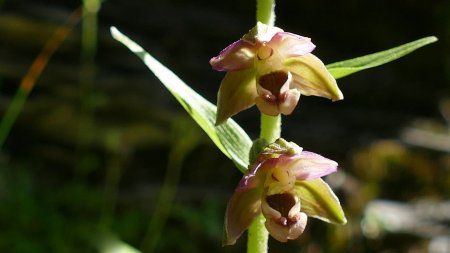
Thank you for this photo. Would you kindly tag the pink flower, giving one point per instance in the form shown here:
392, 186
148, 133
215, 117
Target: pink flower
270, 68
285, 186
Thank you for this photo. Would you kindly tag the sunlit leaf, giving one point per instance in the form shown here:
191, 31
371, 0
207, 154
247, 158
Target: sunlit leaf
111, 244
229, 137
348, 67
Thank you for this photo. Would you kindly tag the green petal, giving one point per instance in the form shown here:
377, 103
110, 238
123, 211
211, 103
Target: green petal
312, 78
242, 208
319, 201
237, 92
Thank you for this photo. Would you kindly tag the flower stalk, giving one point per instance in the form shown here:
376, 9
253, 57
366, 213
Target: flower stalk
265, 12
258, 236
270, 127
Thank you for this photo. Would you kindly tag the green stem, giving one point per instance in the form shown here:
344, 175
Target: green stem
270, 127
114, 144
258, 236
11, 114
185, 139
86, 124
34, 72
265, 11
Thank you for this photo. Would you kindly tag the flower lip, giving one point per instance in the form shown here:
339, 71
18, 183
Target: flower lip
284, 220
283, 203
274, 81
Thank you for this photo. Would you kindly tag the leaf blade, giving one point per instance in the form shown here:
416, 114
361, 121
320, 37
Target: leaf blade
229, 137
348, 67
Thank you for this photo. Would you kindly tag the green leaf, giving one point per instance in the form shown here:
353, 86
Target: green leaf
108, 243
348, 67
229, 137
319, 201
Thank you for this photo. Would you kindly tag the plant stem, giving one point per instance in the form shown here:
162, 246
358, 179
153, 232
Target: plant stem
258, 235
185, 139
265, 11
34, 72
114, 144
86, 124
270, 127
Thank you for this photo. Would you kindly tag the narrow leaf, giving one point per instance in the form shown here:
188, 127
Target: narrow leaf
108, 243
348, 67
229, 137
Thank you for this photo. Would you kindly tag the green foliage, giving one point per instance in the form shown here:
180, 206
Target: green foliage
229, 137
348, 67
45, 218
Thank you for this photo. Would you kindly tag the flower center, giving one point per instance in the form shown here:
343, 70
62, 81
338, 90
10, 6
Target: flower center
281, 175
283, 203
264, 52
273, 81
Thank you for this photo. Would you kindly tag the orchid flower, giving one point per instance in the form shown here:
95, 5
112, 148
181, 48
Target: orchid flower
270, 68
285, 186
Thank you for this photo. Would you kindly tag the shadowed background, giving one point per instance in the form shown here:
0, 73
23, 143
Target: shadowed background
101, 148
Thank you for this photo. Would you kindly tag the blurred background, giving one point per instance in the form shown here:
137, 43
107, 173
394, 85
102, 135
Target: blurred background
101, 158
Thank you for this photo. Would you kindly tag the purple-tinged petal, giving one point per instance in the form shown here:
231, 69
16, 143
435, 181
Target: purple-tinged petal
236, 56
319, 201
242, 208
312, 78
251, 179
289, 44
256, 174
237, 92
308, 165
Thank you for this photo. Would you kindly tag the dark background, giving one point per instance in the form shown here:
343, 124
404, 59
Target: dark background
89, 151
